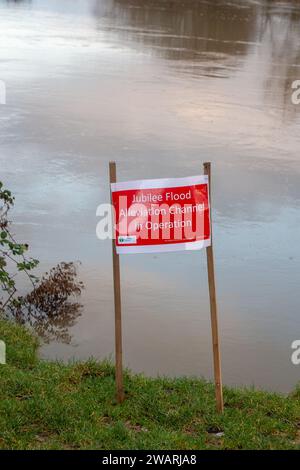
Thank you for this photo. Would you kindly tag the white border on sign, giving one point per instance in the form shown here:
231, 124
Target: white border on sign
186, 246
159, 183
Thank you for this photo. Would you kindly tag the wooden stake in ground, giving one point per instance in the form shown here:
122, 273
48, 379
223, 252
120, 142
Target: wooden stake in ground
117, 302
213, 307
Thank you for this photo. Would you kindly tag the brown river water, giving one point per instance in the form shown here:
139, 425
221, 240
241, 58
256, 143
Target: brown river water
161, 86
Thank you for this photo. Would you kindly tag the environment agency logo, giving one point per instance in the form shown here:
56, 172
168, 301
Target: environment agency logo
2, 352
295, 358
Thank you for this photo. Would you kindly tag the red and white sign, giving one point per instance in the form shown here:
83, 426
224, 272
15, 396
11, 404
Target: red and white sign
162, 215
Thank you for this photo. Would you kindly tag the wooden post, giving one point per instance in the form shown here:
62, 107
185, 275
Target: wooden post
117, 302
213, 307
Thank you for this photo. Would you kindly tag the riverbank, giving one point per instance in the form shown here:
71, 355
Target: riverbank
50, 405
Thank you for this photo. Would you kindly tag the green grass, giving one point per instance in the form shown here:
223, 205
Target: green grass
50, 405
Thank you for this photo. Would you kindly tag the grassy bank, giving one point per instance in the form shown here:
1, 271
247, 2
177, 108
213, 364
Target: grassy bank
49, 405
